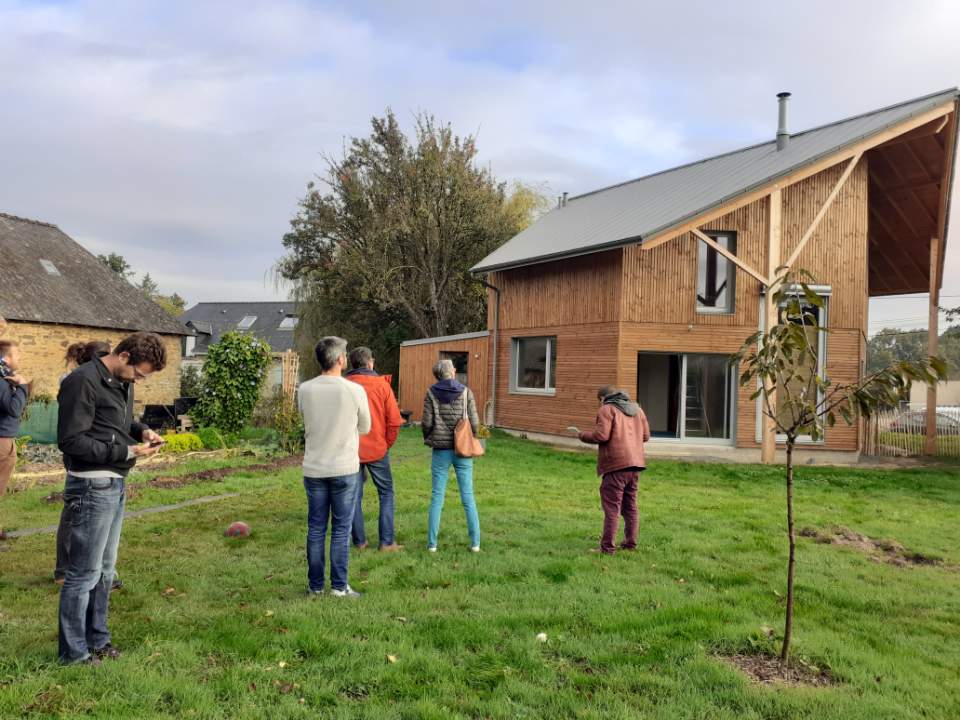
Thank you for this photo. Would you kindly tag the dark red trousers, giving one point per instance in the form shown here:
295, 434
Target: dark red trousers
618, 496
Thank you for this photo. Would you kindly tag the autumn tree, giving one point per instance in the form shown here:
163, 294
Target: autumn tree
381, 247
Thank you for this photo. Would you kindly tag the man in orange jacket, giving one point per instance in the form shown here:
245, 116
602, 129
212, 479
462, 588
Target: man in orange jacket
385, 422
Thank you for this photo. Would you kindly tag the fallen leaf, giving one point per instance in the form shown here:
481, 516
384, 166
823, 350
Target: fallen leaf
286, 688
401, 619
268, 613
766, 630
169, 591
542, 637
391, 658
681, 580
302, 700
252, 686
282, 663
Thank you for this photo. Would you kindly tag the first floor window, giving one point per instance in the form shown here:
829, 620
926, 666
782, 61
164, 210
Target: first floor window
715, 274
533, 364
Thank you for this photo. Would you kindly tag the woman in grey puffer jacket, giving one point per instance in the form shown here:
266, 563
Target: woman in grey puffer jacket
443, 408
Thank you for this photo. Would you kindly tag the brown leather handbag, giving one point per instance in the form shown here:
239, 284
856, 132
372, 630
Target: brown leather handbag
465, 445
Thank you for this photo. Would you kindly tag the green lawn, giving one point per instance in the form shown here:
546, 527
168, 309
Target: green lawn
236, 638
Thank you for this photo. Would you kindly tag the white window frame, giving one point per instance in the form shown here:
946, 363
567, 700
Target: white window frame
825, 292
288, 323
551, 380
732, 306
244, 325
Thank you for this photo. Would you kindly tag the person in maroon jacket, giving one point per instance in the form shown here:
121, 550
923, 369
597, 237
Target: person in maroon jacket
620, 433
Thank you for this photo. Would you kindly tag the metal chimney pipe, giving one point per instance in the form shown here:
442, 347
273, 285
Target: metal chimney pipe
565, 198
782, 135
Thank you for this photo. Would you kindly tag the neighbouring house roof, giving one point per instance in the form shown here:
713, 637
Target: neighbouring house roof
210, 320
631, 211
45, 276
446, 338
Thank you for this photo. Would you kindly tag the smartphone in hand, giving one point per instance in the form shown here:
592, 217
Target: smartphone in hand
156, 443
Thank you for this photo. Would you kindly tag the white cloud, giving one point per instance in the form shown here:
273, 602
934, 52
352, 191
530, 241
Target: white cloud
182, 134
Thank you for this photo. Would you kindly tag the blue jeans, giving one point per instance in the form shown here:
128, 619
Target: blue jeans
383, 479
439, 468
96, 518
327, 498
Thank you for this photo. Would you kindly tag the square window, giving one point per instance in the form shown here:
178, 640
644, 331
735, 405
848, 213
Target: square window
716, 275
49, 267
534, 361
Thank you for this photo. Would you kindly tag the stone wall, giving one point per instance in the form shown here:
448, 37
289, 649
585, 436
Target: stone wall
44, 345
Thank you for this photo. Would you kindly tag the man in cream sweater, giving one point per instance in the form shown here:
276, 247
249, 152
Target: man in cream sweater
335, 414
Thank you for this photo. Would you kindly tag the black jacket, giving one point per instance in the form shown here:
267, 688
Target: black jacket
13, 399
96, 427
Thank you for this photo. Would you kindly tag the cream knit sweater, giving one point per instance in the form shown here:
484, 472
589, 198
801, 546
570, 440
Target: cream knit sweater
335, 414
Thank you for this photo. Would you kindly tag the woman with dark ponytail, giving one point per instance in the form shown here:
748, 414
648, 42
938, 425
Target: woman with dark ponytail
77, 354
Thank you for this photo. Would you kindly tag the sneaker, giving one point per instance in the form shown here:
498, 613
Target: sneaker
90, 660
360, 546
431, 549
107, 651
346, 592
392, 547
117, 584
314, 593
474, 548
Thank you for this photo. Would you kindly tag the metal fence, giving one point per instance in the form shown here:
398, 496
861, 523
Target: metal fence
902, 432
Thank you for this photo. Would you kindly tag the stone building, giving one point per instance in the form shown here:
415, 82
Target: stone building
53, 293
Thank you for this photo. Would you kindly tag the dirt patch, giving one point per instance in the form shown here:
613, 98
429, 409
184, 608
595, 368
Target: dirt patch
880, 550
217, 474
767, 670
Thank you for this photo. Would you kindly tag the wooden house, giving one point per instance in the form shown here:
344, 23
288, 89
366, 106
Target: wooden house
652, 284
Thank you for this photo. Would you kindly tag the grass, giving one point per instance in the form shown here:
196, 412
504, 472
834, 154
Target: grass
629, 636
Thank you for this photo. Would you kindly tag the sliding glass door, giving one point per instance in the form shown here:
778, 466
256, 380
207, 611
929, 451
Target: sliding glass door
686, 395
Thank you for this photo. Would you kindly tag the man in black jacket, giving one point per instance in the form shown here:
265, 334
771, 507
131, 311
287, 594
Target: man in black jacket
100, 442
14, 393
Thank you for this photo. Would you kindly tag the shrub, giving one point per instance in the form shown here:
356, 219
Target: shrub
211, 438
191, 381
182, 442
232, 375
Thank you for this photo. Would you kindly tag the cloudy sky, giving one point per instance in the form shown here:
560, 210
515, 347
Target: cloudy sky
181, 134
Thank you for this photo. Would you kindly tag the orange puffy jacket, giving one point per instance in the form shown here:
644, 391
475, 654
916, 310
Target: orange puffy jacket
385, 420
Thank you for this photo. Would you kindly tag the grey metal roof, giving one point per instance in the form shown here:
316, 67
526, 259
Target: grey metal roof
210, 320
45, 276
628, 212
446, 338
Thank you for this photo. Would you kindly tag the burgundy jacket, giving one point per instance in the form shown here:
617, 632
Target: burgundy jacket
620, 438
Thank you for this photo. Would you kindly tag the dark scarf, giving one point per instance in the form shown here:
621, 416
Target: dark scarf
623, 403
363, 371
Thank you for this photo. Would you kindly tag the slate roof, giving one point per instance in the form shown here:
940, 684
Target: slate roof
626, 213
82, 290
210, 320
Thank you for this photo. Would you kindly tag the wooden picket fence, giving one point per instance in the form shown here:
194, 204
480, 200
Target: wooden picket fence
901, 432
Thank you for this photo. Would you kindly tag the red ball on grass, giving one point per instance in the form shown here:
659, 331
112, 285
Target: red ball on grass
238, 529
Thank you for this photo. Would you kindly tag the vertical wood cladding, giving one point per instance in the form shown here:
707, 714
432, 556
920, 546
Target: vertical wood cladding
606, 307
566, 292
660, 285
586, 360
836, 254
416, 371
